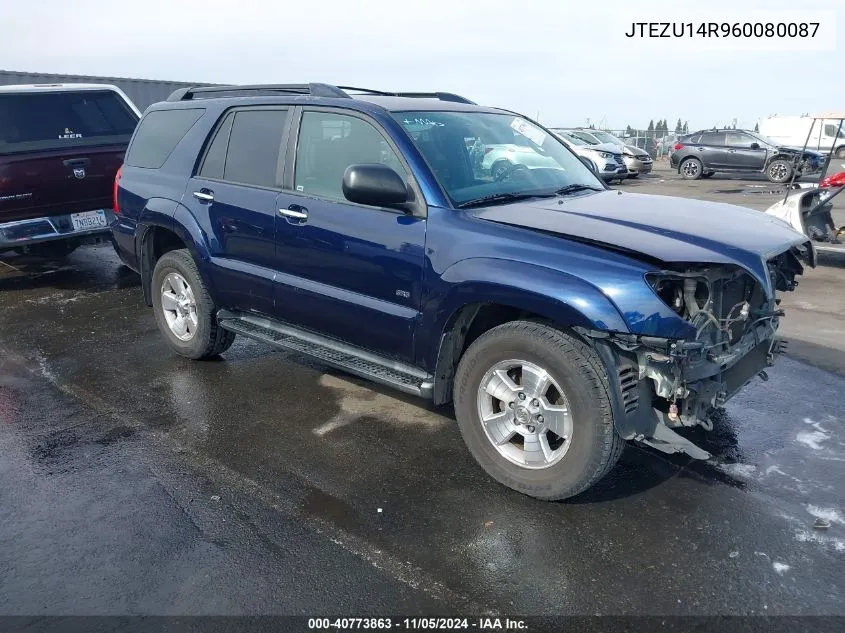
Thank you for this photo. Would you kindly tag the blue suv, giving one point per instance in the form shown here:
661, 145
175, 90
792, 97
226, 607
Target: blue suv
366, 229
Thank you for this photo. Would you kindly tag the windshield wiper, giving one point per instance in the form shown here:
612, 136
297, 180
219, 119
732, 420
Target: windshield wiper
576, 187
497, 198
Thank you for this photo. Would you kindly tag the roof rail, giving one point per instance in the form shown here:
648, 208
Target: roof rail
315, 89
442, 96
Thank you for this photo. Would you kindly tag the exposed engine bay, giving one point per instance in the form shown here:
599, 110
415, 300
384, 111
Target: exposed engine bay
667, 384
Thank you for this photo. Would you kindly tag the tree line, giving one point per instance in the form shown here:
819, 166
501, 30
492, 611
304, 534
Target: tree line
661, 128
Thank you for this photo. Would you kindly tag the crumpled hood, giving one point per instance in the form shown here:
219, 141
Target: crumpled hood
604, 147
666, 228
635, 151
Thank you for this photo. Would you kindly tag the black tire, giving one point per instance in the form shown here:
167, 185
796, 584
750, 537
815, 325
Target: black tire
690, 169
708, 174
840, 152
579, 371
779, 171
209, 339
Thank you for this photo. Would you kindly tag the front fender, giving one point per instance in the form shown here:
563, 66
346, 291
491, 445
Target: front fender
552, 294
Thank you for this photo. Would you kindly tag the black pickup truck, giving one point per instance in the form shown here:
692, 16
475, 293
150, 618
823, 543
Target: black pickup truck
60, 148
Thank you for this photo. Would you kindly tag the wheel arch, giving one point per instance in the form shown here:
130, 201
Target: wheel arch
483, 301
162, 233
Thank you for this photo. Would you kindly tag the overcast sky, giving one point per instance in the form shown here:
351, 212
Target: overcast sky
567, 61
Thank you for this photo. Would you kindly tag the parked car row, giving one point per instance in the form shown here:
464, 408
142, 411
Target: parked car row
635, 160
453, 251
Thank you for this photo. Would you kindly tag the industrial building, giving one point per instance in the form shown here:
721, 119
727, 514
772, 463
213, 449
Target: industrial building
142, 92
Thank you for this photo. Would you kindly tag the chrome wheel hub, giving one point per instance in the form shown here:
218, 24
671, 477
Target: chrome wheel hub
179, 307
525, 414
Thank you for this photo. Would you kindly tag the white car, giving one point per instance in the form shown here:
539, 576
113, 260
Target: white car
606, 158
499, 158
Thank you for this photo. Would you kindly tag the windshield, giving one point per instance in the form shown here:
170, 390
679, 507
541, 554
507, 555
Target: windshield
606, 137
478, 155
571, 138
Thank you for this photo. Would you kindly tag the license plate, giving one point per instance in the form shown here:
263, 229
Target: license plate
88, 220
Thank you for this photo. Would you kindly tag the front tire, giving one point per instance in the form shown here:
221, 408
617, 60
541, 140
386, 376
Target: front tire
533, 407
840, 152
184, 311
779, 171
691, 169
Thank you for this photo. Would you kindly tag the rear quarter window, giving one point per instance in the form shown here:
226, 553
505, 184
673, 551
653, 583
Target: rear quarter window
158, 135
33, 121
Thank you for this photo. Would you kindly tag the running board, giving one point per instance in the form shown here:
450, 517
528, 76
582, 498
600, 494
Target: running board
348, 358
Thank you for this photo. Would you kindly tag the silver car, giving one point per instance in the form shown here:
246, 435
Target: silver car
607, 159
636, 160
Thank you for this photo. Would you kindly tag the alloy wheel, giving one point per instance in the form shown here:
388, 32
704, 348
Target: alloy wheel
179, 306
525, 414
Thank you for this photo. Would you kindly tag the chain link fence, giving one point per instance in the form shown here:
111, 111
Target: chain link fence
658, 144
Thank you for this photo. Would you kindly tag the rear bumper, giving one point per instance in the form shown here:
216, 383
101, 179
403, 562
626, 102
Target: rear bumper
49, 229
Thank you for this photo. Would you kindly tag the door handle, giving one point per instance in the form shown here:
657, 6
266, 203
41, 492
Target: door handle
295, 211
76, 162
204, 195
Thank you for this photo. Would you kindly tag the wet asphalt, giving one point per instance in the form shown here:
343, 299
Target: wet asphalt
136, 482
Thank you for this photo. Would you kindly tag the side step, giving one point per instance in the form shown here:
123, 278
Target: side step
351, 359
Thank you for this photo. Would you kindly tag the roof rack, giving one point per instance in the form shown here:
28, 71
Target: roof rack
442, 96
313, 89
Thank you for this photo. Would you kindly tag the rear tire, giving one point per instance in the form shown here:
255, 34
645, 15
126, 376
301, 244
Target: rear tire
581, 444
184, 311
840, 152
691, 169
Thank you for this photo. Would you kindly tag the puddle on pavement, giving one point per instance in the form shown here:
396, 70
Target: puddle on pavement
747, 191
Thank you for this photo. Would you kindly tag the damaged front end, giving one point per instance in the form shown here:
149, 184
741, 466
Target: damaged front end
662, 384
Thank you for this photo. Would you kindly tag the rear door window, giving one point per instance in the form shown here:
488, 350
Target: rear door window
32, 121
158, 135
215, 156
254, 145
712, 138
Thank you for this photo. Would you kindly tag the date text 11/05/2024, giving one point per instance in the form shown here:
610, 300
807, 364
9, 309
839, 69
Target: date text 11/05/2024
722, 29
441, 624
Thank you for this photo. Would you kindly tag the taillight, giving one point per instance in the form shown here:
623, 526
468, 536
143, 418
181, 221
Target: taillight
116, 179
834, 180
678, 146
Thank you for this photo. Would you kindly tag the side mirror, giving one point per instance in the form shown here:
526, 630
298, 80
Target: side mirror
374, 184
755, 146
590, 164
